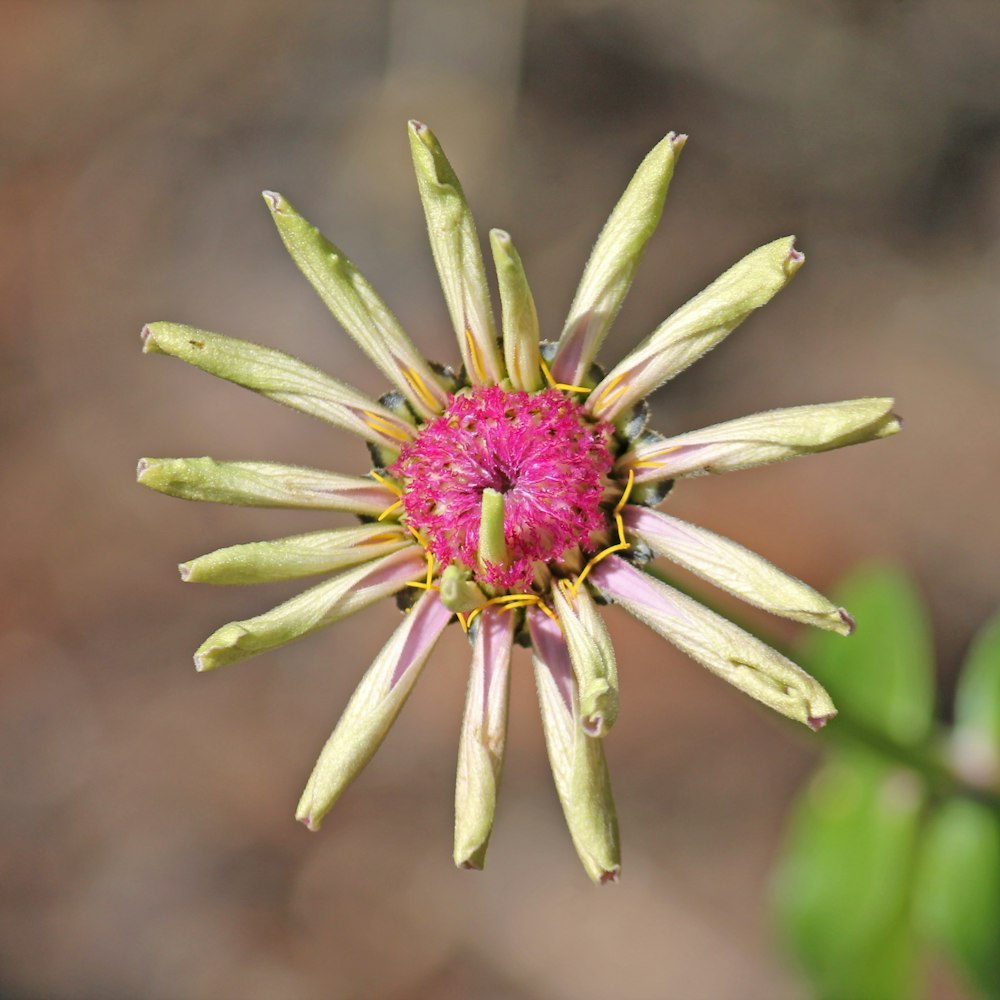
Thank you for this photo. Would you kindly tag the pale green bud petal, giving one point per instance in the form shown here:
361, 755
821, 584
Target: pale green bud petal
458, 592
697, 326
483, 736
296, 556
314, 609
279, 377
613, 261
593, 659
762, 438
719, 645
520, 319
458, 257
358, 309
373, 708
263, 484
578, 764
492, 545
730, 566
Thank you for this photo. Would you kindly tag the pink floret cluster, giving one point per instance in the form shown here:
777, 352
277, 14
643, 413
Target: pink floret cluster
538, 450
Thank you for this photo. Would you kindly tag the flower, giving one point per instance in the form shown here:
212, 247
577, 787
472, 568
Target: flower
514, 497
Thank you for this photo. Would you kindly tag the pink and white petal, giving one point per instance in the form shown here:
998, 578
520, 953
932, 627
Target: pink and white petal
373, 708
726, 650
762, 439
577, 760
322, 605
483, 736
735, 569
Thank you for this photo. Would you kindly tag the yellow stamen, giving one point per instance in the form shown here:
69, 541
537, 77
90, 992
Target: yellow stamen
420, 387
416, 534
544, 607
388, 484
462, 622
648, 465
475, 358
622, 542
386, 536
559, 385
390, 509
380, 424
601, 397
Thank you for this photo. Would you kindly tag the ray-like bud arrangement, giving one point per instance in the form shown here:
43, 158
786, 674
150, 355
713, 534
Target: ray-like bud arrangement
483, 737
593, 659
372, 709
262, 484
697, 327
614, 260
520, 319
717, 644
279, 377
296, 556
513, 497
313, 609
736, 569
762, 439
459, 260
577, 760
358, 308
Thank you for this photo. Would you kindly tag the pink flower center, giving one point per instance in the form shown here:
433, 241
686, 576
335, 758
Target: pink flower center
539, 451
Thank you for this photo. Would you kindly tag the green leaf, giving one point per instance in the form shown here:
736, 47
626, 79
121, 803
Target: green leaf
842, 888
958, 890
882, 676
977, 700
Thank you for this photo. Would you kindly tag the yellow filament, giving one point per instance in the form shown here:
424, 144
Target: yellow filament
648, 465
390, 509
462, 622
420, 388
388, 484
601, 397
619, 547
380, 424
475, 358
416, 534
559, 385
386, 536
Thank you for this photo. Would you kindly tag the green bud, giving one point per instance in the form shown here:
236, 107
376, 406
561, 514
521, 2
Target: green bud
262, 484
296, 556
613, 261
358, 309
593, 659
697, 326
459, 260
458, 592
492, 544
520, 319
314, 609
279, 377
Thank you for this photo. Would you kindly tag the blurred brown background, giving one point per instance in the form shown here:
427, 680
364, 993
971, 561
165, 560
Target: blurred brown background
147, 847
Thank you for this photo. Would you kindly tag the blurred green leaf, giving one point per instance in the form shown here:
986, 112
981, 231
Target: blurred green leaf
842, 888
977, 700
958, 890
882, 676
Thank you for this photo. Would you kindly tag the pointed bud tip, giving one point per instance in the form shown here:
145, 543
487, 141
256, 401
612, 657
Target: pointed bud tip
308, 822
200, 663
146, 336
817, 722
794, 260
185, 571
610, 876
595, 725
273, 200
849, 623
416, 126
141, 469
470, 866
677, 140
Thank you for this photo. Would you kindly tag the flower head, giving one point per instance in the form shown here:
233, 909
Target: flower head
514, 497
